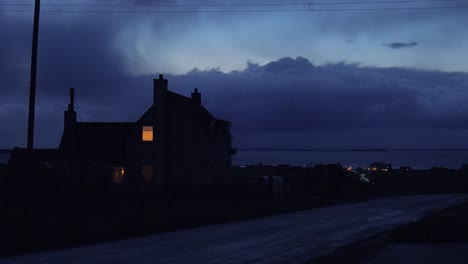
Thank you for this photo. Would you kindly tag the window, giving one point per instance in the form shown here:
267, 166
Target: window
118, 174
147, 134
147, 172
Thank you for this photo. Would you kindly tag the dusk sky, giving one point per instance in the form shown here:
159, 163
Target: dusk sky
323, 79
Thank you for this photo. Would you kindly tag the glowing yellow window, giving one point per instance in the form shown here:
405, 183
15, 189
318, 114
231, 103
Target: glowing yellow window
147, 172
147, 133
118, 174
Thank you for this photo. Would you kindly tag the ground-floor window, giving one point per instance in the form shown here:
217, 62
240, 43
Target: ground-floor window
147, 172
118, 174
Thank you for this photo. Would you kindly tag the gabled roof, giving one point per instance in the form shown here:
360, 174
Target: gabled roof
106, 141
99, 141
184, 104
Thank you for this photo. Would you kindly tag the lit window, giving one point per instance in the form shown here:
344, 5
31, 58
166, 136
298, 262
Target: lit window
147, 172
118, 174
147, 133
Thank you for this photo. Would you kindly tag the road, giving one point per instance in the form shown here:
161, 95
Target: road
290, 238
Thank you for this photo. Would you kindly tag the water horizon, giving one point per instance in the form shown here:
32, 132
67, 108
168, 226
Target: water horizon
417, 159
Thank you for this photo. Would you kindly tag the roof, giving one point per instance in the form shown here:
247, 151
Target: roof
103, 141
185, 104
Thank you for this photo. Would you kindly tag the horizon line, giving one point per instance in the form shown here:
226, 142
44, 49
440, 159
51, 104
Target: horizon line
351, 149
8, 151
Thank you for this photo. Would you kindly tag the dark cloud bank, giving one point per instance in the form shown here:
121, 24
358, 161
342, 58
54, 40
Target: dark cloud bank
285, 103
400, 45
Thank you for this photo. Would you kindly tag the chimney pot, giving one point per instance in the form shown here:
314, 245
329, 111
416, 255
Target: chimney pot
70, 114
196, 97
71, 104
159, 90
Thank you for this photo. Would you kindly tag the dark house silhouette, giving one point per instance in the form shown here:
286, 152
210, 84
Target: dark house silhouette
176, 144
20, 158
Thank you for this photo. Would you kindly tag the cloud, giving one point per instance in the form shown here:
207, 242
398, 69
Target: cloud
284, 65
291, 102
400, 45
273, 100
284, 103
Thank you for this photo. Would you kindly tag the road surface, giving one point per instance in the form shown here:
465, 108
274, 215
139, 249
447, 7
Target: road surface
290, 238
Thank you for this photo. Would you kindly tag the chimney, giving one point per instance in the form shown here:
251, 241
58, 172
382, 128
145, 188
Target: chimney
160, 91
70, 114
160, 121
196, 97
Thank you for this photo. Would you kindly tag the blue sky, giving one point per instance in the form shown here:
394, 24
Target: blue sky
355, 78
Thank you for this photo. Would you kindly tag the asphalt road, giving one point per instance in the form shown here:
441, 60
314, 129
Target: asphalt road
290, 238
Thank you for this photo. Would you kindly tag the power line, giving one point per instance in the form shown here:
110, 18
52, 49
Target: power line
237, 5
161, 11
77, 111
390, 8
245, 11
385, 2
169, 5
64, 18
307, 7
14, 81
44, 84
17, 84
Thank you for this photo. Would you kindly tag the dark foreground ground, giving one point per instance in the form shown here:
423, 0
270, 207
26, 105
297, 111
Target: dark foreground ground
439, 238
39, 223
34, 216
37, 215
287, 238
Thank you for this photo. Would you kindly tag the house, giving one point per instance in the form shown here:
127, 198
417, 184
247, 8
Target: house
31, 171
176, 144
380, 166
20, 158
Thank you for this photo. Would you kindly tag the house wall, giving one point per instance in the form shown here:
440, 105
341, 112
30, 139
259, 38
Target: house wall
140, 153
220, 151
188, 151
196, 155
89, 176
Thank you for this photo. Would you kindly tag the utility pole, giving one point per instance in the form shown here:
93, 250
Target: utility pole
32, 89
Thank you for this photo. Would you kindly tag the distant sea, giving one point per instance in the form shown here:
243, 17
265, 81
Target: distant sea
423, 159
417, 159
4, 157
